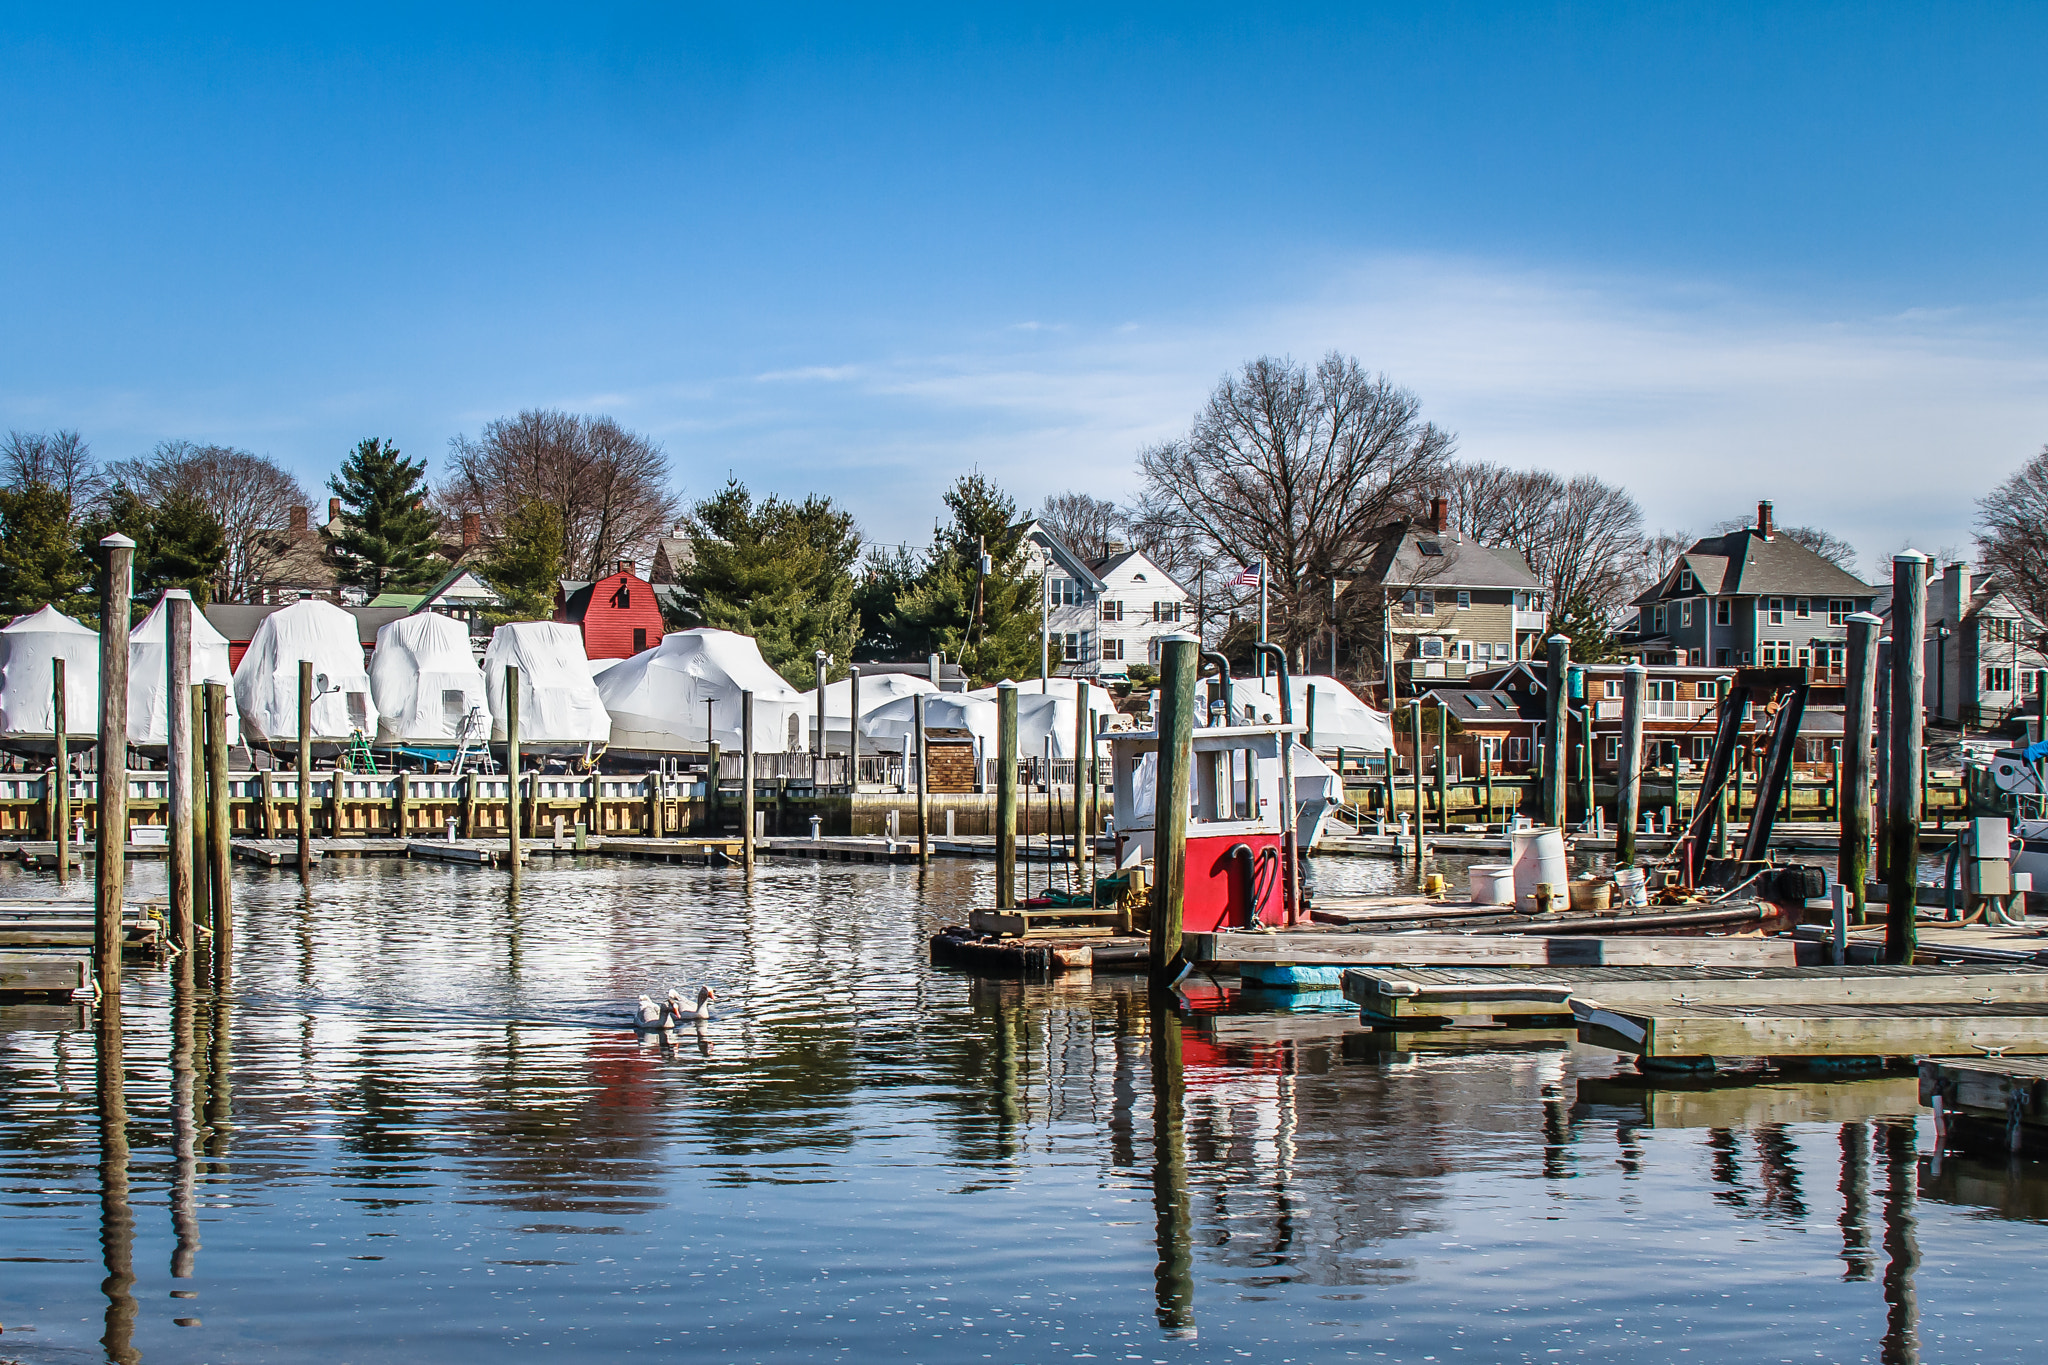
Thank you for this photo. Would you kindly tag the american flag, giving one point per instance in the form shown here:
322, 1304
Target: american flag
1248, 579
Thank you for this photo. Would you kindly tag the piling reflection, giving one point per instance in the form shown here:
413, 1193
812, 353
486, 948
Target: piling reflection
1901, 1344
117, 1219
1174, 1283
1858, 1262
184, 1122
219, 1082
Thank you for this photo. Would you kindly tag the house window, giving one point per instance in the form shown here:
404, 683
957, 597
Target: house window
1708, 690
1836, 656
1776, 610
1723, 612
1610, 749
1428, 597
1166, 611
1686, 582
1518, 748
1521, 601
1702, 748
1485, 651
1066, 592
1998, 679
2030, 682
1112, 650
1720, 658
1777, 654
1612, 687
1432, 647
1839, 610
639, 638
1657, 619
1745, 656
1489, 748
1999, 628
1465, 650
1069, 644
1806, 658
1685, 614
1803, 607
1464, 600
1112, 610
1661, 689
1695, 657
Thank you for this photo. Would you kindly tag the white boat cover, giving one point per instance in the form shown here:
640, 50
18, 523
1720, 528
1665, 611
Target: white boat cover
657, 698
267, 679
149, 674
875, 692
1051, 713
28, 683
558, 701
942, 710
1342, 720
424, 680
598, 667
1099, 699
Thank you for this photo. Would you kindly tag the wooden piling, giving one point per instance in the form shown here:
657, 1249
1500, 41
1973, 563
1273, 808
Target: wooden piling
1556, 714
60, 775
1415, 782
195, 734
110, 873
1853, 853
219, 828
924, 803
713, 757
1909, 629
305, 769
1586, 773
1628, 794
512, 762
1083, 733
1881, 801
853, 730
1443, 768
1006, 796
1178, 665
178, 759
746, 783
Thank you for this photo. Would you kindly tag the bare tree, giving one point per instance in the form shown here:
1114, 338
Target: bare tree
610, 484
1085, 523
58, 459
251, 497
1293, 468
1826, 544
2012, 534
1583, 537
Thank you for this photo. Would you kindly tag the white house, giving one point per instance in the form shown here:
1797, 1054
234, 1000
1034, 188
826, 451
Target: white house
1103, 617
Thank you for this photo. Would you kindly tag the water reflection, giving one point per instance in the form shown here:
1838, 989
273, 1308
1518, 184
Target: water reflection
1174, 1279
184, 1122
117, 1219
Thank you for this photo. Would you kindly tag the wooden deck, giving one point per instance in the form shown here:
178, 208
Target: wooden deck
1040, 956
52, 977
69, 925
1422, 996
2000, 1103
1786, 1029
1341, 948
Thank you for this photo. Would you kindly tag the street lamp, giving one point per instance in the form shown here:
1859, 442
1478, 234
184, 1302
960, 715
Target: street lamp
1941, 634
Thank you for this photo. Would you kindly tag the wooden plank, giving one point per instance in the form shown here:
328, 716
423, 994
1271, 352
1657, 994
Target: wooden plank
42, 973
1794, 1030
1340, 949
1747, 1104
1986, 1086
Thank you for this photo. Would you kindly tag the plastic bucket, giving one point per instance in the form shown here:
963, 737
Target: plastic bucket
1628, 886
1539, 860
1491, 883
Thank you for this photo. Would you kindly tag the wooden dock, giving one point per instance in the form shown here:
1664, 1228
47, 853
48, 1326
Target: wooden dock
69, 924
481, 852
1745, 1099
1340, 948
710, 850
1040, 956
1423, 997
44, 977
1697, 1033
1404, 913
1989, 1102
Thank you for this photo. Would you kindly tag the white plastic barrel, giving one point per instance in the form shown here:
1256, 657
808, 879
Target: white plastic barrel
1539, 859
1492, 883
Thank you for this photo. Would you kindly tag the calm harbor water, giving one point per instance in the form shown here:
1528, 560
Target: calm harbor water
417, 1130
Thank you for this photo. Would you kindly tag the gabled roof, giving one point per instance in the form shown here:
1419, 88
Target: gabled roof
1062, 554
1746, 563
1118, 562
1413, 552
1482, 706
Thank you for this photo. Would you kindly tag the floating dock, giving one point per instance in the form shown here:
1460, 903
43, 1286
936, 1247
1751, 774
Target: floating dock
1743, 1100
1341, 948
70, 924
1697, 1033
44, 977
1992, 1102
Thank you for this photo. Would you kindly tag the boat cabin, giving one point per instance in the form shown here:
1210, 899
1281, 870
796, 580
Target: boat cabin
1236, 858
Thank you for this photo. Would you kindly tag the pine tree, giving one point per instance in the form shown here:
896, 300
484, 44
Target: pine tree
388, 539
1583, 623
988, 623
779, 571
524, 565
179, 543
40, 560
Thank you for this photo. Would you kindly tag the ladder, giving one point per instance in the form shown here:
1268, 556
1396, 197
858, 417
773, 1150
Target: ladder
357, 758
472, 741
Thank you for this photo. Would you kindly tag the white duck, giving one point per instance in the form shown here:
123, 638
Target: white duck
680, 1015
648, 1018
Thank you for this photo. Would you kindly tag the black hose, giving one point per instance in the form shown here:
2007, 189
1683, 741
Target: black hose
1222, 666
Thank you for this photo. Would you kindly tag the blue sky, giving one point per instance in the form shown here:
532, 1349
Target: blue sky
1714, 252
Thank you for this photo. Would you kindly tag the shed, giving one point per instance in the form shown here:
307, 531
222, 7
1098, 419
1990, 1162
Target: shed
949, 759
618, 615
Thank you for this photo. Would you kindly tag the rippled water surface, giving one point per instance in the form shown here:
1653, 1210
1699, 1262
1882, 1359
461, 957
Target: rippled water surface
417, 1130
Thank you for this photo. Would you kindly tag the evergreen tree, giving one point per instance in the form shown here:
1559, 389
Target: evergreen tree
779, 571
524, 565
988, 623
388, 539
40, 561
1583, 623
179, 543
885, 578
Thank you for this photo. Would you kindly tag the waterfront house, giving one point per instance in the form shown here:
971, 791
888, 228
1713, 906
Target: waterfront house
1105, 615
1983, 658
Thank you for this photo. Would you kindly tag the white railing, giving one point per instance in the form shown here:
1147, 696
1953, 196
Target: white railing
1610, 708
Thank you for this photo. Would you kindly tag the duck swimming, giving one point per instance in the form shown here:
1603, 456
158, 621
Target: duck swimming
702, 1012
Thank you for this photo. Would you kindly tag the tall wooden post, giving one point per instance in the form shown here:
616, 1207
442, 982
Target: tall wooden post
746, 783
219, 826
60, 774
110, 873
1415, 779
178, 759
1853, 852
1882, 802
1556, 718
195, 731
512, 762
1591, 790
1909, 628
853, 734
1628, 781
924, 801
712, 759
1006, 796
1178, 666
1082, 733
305, 769
1443, 767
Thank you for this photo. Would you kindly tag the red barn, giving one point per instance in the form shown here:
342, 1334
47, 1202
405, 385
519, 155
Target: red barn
618, 614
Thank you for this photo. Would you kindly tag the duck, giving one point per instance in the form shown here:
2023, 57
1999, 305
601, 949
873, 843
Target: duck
680, 1015
648, 1017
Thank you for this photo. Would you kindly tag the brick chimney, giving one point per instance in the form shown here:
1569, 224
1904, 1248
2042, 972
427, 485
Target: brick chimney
299, 517
1763, 520
625, 566
333, 510
1439, 513
472, 530
1955, 595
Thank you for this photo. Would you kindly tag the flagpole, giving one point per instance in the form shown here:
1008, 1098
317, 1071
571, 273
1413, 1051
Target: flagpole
1262, 619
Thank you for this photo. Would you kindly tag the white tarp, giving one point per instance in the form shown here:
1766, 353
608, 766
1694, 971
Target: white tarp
942, 710
267, 680
424, 680
149, 674
875, 692
28, 682
558, 702
1051, 714
1342, 720
658, 699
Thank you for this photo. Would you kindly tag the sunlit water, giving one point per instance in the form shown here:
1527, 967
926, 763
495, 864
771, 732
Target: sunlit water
419, 1131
